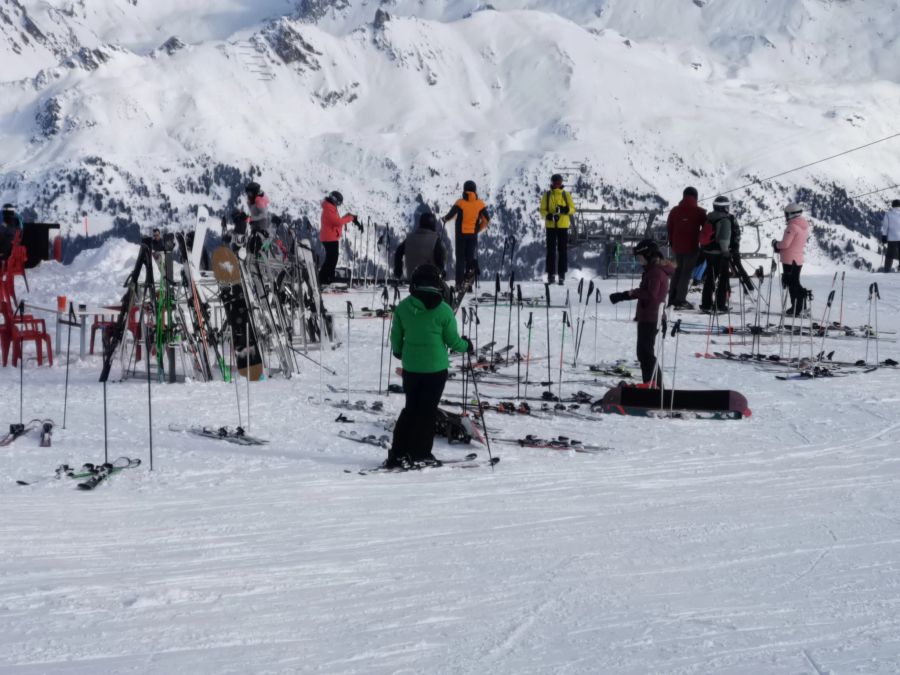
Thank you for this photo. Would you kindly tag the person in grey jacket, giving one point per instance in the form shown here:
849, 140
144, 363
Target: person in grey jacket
890, 236
422, 246
715, 244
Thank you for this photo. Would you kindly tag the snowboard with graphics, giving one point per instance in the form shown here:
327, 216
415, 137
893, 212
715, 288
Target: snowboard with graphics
227, 270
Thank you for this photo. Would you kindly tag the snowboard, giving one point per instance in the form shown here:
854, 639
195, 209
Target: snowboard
227, 270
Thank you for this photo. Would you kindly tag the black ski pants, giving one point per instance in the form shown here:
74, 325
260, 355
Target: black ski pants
681, 279
414, 431
326, 273
557, 252
790, 279
891, 253
466, 256
716, 281
646, 348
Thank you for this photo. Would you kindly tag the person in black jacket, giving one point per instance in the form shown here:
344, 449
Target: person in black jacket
422, 246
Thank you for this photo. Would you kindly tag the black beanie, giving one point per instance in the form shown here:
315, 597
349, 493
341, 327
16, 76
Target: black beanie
427, 221
469, 186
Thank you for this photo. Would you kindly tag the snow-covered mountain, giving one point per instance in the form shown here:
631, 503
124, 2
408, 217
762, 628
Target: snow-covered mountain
130, 112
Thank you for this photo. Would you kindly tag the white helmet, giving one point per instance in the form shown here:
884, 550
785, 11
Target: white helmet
792, 210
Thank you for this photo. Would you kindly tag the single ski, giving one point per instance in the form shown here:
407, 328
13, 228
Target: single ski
371, 439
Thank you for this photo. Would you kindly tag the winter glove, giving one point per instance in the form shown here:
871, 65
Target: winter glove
554, 217
357, 223
470, 348
775, 245
398, 356
563, 209
615, 298
884, 239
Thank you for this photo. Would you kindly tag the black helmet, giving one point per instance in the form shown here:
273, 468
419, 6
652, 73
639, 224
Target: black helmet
895, 203
335, 198
469, 186
647, 248
721, 204
690, 192
426, 278
253, 188
556, 179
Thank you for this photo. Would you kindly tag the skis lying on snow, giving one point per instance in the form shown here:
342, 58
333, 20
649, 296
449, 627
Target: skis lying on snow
470, 461
558, 443
237, 435
371, 439
93, 474
19, 430
373, 408
104, 471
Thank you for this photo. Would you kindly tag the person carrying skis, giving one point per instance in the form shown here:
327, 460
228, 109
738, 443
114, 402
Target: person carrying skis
790, 248
683, 225
424, 328
890, 236
330, 233
650, 295
715, 243
472, 217
422, 246
557, 208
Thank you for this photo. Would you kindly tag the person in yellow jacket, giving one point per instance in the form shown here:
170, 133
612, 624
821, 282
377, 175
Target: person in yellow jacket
557, 207
471, 218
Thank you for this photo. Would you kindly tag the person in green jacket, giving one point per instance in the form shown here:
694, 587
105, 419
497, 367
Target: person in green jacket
424, 328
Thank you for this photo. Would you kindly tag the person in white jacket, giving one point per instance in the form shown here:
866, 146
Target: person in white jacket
890, 236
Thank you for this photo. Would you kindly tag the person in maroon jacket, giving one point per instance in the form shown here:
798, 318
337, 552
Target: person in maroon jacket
650, 295
684, 224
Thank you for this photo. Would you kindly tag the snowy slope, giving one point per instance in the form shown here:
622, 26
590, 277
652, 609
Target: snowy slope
105, 117
768, 545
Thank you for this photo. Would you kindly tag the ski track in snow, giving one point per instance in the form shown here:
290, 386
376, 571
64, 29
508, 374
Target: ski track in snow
766, 545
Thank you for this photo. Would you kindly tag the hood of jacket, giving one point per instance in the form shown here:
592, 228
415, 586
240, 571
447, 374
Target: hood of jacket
425, 299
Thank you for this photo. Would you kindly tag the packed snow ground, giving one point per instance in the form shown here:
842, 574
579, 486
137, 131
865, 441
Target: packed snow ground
769, 545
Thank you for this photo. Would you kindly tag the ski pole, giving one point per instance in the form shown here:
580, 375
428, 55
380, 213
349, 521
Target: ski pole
512, 281
234, 376
562, 348
70, 321
21, 312
578, 340
580, 292
826, 315
384, 304
494, 324
676, 332
528, 351
841, 315
247, 346
661, 361
596, 319
518, 338
349, 316
877, 298
391, 330
149, 389
547, 294
487, 439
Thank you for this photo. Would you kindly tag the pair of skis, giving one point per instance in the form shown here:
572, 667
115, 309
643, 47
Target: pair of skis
237, 435
470, 461
18, 430
558, 443
90, 475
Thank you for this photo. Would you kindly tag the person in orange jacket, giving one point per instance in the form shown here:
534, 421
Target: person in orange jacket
472, 217
330, 233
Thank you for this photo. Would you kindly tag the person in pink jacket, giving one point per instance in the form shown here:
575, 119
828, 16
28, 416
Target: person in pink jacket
330, 233
790, 248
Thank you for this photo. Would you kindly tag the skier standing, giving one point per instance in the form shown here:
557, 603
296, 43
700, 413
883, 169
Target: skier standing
422, 246
330, 233
715, 242
472, 217
424, 328
650, 295
890, 236
790, 248
683, 226
557, 208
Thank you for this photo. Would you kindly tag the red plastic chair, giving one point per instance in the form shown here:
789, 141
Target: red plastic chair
101, 323
16, 331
